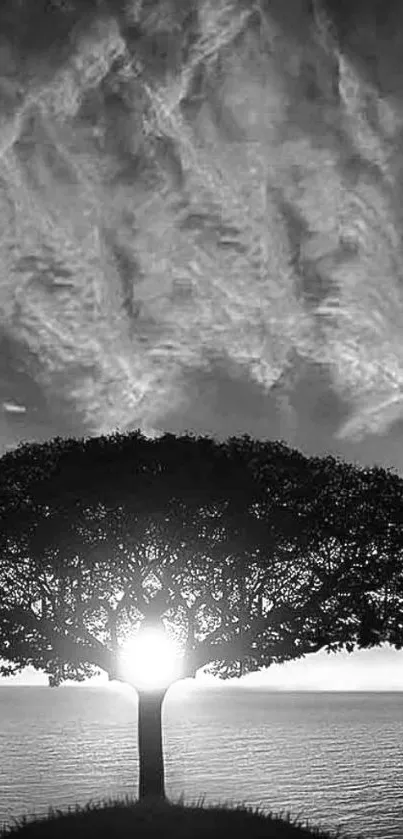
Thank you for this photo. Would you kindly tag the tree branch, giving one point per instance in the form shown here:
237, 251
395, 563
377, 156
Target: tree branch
74, 651
207, 650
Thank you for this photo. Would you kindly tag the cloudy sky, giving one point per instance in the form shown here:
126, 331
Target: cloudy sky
201, 230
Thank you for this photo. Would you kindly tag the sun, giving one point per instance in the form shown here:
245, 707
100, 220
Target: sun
150, 659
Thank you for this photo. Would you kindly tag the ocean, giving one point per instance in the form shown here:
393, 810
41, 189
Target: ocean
335, 759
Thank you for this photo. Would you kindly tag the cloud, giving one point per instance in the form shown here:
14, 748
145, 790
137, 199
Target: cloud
180, 183
13, 408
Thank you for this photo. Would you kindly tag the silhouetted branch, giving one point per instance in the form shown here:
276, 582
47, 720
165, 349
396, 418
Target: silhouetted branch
65, 646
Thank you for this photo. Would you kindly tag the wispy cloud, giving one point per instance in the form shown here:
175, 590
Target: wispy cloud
179, 185
13, 408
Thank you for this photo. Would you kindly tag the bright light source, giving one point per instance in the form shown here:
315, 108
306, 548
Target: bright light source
150, 659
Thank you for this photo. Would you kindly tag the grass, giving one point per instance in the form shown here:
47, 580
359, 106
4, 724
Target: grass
156, 819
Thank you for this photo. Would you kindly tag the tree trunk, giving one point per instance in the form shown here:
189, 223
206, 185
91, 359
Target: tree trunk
151, 759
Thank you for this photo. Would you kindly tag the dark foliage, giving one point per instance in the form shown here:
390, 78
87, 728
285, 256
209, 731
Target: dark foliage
249, 551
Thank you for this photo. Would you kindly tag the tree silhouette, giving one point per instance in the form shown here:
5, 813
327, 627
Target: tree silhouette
246, 552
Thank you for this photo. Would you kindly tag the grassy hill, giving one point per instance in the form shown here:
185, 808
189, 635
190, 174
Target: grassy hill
150, 819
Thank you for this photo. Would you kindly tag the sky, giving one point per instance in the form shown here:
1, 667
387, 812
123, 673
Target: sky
201, 231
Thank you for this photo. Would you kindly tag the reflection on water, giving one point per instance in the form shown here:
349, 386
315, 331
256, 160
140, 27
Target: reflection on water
334, 758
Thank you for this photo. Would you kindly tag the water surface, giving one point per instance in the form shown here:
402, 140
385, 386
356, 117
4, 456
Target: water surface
333, 758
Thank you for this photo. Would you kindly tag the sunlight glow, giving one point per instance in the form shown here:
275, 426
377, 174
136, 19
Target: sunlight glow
151, 660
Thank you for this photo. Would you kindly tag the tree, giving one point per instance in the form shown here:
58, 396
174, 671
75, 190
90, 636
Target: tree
247, 552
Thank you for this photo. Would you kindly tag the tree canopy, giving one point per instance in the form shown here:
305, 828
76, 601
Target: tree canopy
249, 551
